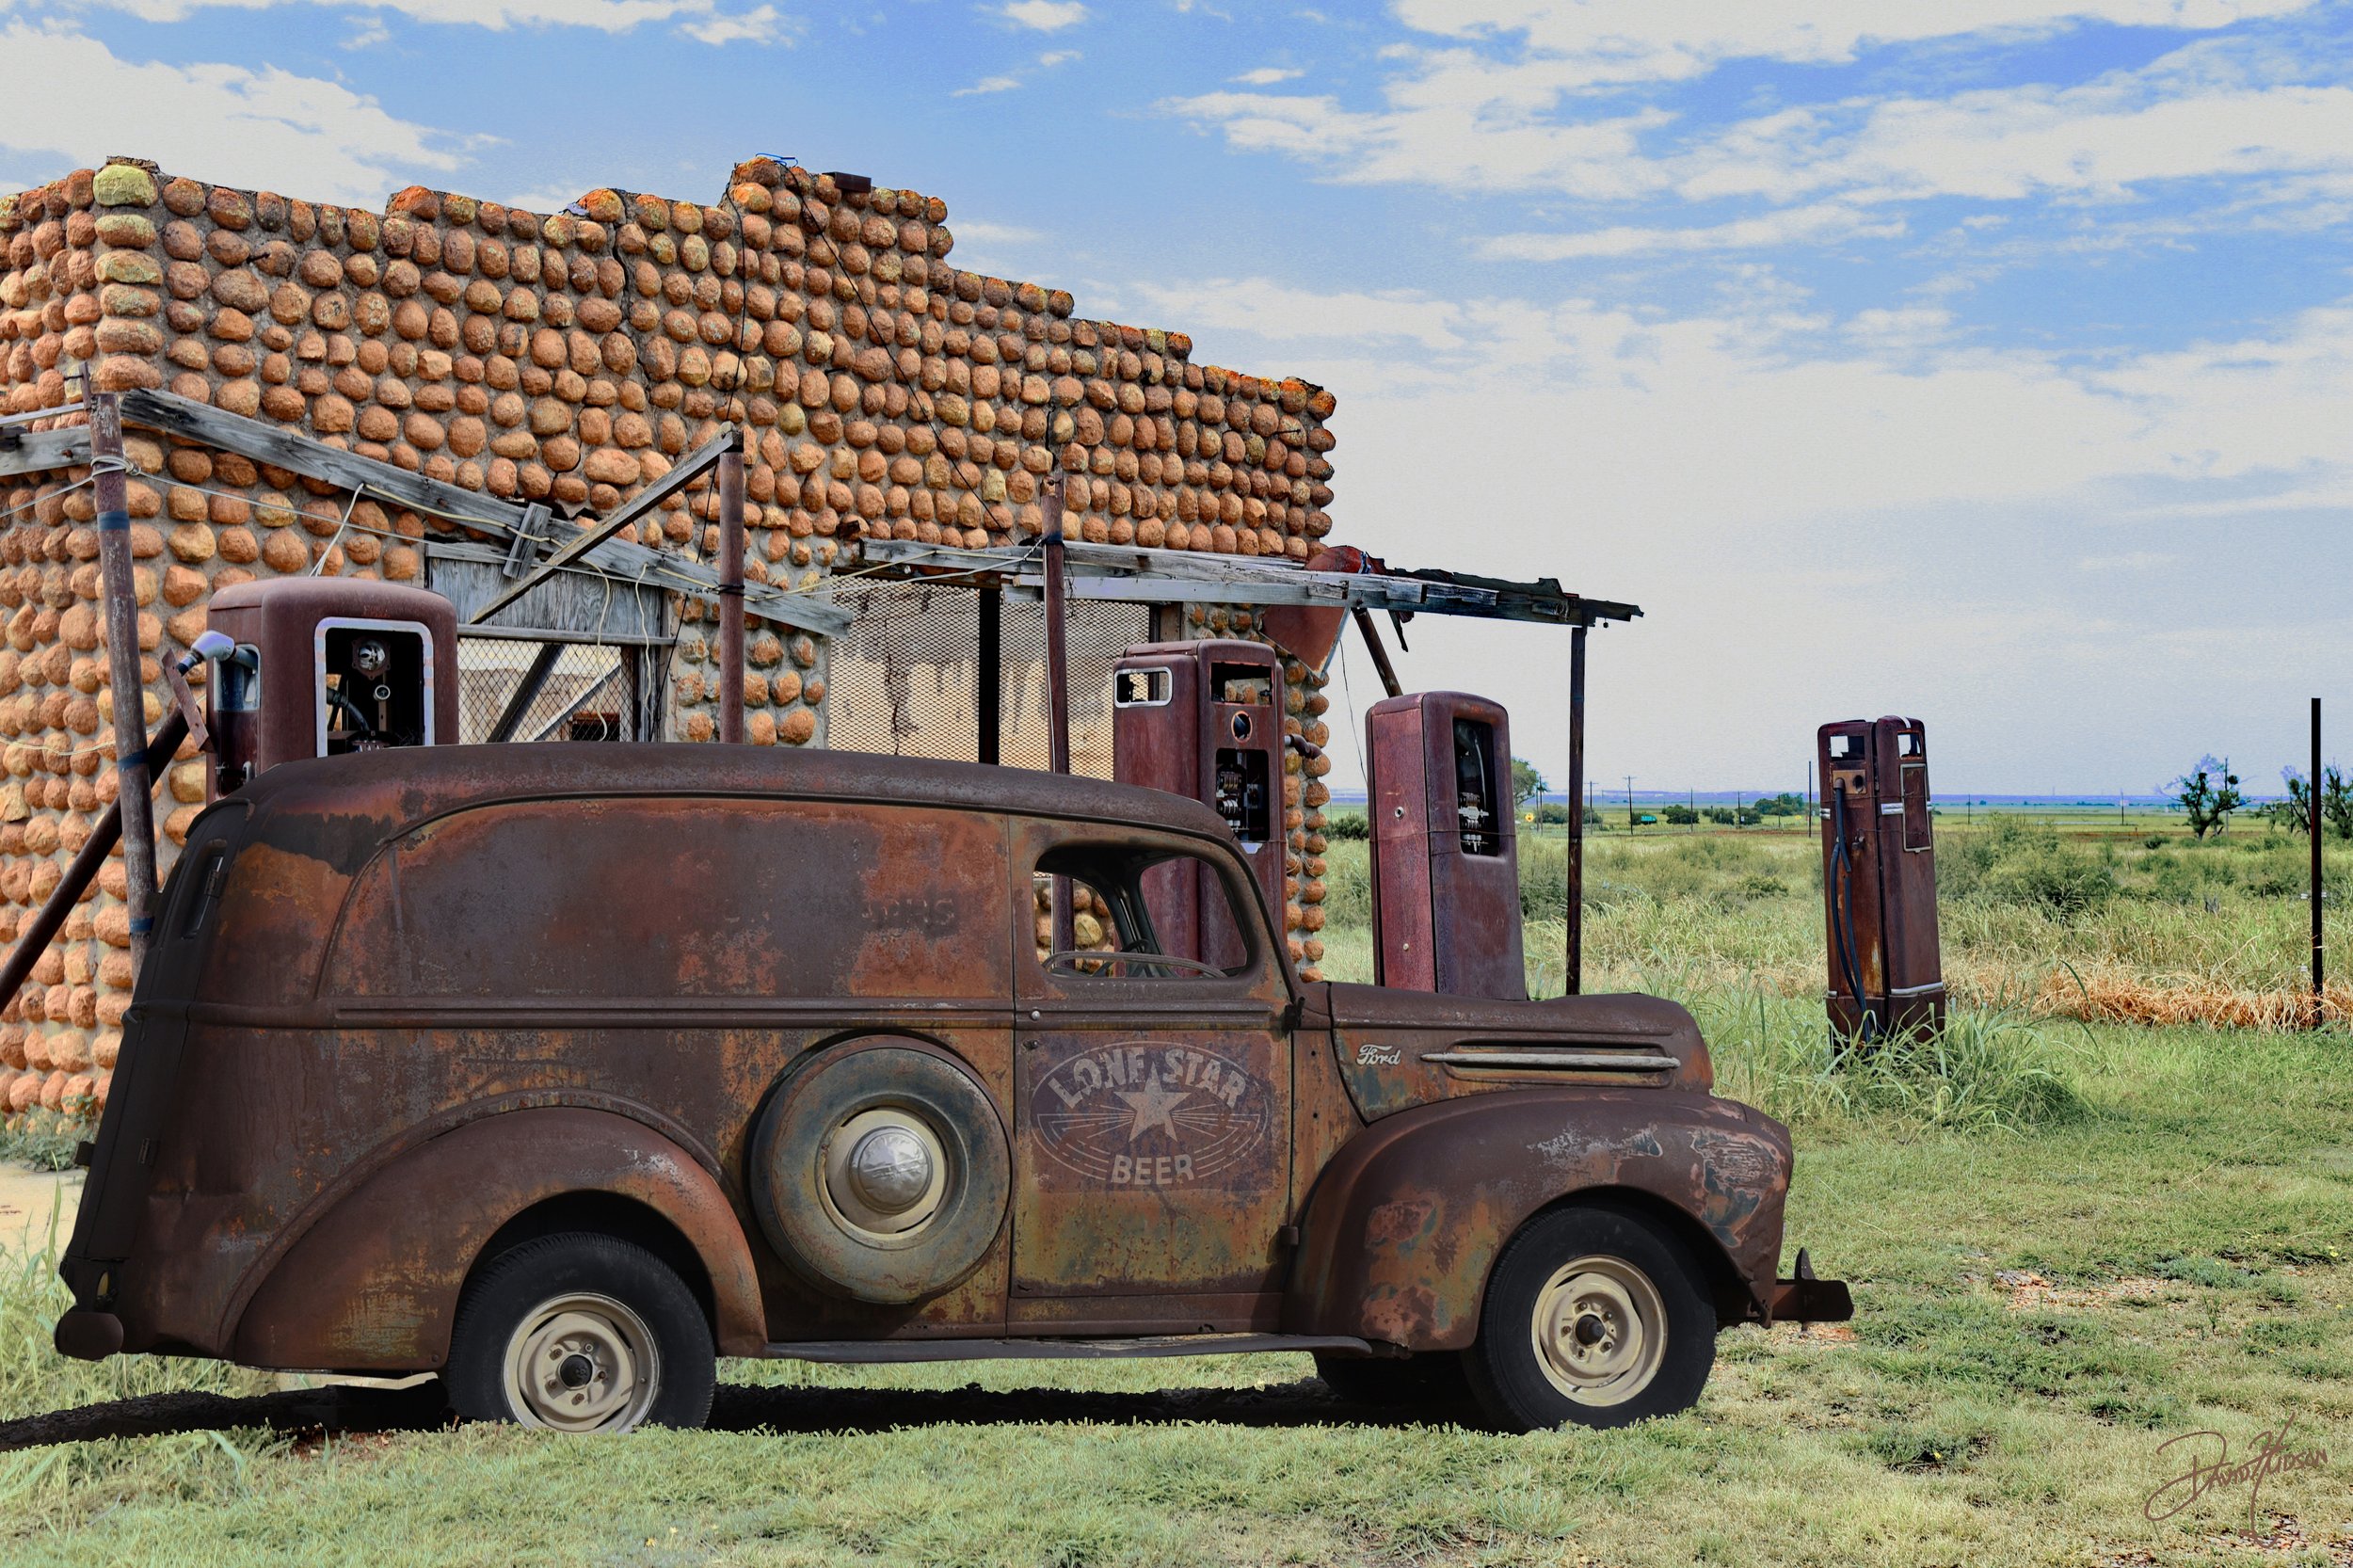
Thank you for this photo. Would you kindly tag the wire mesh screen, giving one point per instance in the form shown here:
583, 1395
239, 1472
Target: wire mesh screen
509, 689
903, 679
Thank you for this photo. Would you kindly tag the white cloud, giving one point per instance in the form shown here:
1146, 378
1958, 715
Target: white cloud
1591, 43
1046, 16
765, 24
611, 16
240, 126
1457, 144
1279, 313
988, 83
1457, 119
1053, 57
2202, 112
1266, 76
2131, 560
977, 232
1780, 413
1821, 224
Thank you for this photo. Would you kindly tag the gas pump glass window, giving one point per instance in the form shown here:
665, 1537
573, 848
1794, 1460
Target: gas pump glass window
1113, 891
372, 687
1477, 801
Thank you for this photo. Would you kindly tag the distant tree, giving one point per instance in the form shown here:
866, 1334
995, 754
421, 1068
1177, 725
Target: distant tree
1681, 816
2207, 795
2295, 813
1526, 783
1553, 813
1787, 804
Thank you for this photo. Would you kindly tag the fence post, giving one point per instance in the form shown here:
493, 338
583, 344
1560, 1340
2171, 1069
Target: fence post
732, 592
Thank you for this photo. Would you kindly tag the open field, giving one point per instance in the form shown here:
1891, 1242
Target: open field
2072, 1238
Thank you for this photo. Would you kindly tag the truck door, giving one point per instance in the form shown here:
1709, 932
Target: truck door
1152, 1101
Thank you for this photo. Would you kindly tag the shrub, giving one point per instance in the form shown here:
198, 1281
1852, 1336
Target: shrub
1346, 828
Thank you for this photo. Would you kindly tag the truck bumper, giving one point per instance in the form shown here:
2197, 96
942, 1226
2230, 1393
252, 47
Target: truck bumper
1808, 1300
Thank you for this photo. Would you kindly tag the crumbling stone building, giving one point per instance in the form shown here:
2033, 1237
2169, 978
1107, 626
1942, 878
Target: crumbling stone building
567, 358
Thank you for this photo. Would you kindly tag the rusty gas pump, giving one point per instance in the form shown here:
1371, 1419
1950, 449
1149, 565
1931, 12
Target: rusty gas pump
1879, 880
324, 667
1204, 719
1445, 881
300, 667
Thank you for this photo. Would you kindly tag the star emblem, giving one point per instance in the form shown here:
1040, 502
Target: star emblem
1152, 1105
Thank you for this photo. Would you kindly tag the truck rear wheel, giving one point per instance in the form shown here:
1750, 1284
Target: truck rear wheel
581, 1332
1594, 1318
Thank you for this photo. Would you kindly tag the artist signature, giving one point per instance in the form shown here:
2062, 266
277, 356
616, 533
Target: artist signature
2269, 1455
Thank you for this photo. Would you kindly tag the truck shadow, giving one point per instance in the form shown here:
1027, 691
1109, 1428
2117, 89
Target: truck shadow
737, 1408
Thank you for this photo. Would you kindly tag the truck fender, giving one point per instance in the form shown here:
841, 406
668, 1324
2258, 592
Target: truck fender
1405, 1224
372, 1283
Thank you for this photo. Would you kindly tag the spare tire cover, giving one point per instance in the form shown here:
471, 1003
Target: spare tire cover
879, 1171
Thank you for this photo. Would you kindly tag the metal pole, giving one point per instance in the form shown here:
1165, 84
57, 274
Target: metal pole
732, 593
1629, 801
124, 675
1575, 910
988, 693
2313, 805
1057, 687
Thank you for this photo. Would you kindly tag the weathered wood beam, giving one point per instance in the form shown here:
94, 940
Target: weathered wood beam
1176, 576
623, 559
689, 468
33, 450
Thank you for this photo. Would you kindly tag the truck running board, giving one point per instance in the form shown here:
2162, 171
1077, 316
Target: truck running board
1083, 1350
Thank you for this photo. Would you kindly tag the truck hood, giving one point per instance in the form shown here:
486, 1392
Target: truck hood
1398, 1048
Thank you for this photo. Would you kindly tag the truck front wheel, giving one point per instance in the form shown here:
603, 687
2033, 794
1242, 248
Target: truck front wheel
1592, 1318
581, 1332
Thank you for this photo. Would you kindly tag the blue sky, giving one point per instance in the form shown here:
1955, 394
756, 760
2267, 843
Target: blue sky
1989, 361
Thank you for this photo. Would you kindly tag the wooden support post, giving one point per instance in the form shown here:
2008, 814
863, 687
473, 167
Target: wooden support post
1576, 909
988, 679
2320, 1010
124, 675
527, 691
1380, 654
1057, 687
732, 593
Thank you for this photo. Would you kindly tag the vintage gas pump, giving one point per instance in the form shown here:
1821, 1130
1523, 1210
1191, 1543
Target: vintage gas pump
1445, 881
326, 666
1204, 719
1879, 880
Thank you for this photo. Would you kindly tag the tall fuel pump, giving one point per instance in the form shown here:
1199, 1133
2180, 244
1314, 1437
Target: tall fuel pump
1879, 880
1204, 719
1445, 881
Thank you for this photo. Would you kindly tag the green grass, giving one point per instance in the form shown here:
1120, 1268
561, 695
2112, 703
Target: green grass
2069, 1242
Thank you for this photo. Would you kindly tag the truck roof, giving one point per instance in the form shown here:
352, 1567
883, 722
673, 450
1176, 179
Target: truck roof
408, 783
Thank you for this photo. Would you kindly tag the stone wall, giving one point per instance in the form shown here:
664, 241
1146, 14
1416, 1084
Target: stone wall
570, 358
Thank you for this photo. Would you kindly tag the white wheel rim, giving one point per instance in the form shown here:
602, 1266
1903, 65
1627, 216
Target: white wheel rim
1599, 1330
582, 1363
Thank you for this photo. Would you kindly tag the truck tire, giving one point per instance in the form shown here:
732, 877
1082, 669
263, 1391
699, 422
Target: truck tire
1593, 1318
880, 1172
581, 1332
1432, 1380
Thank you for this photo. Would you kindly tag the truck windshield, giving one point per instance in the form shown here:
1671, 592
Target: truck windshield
1129, 912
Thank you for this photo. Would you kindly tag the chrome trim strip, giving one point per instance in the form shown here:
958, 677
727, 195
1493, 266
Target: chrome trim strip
1562, 1061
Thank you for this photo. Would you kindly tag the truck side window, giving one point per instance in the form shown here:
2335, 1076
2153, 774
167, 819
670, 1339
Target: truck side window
1114, 892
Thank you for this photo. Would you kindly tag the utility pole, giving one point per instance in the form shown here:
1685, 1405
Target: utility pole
124, 675
732, 592
1629, 801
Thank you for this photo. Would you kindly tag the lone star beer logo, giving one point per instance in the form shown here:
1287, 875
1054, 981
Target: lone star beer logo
1150, 1115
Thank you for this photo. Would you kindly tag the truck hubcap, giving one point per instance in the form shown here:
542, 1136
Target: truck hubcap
582, 1363
885, 1172
1599, 1330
